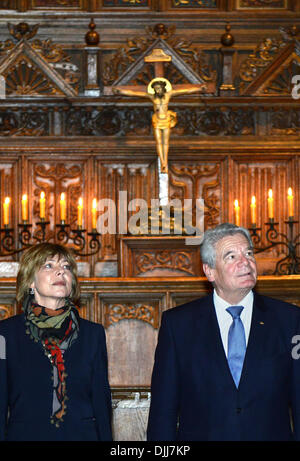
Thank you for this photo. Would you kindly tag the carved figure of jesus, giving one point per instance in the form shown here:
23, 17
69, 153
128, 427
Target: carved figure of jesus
160, 91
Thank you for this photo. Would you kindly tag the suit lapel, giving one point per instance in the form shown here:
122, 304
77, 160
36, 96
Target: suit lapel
215, 350
257, 338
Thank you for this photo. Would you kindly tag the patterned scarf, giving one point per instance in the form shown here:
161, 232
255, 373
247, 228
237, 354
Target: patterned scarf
57, 330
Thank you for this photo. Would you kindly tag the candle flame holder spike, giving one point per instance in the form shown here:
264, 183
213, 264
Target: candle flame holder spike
75, 238
290, 263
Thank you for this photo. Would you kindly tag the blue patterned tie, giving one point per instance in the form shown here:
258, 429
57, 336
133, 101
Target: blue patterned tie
236, 343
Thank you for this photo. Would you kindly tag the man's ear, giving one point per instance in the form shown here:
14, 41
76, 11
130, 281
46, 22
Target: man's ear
209, 272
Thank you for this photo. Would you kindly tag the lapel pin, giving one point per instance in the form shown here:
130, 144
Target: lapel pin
261, 323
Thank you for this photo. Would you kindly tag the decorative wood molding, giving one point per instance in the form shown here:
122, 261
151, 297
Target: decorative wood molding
155, 256
38, 69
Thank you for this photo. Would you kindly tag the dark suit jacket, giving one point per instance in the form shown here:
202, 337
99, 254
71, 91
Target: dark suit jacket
26, 387
191, 379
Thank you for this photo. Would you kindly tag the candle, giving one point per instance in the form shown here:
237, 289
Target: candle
62, 203
42, 205
6, 211
290, 203
270, 204
24, 208
80, 212
94, 214
237, 212
253, 210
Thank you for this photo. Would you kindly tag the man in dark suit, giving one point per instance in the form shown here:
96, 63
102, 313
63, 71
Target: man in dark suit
224, 367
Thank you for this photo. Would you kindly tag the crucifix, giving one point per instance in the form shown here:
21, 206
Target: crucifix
160, 91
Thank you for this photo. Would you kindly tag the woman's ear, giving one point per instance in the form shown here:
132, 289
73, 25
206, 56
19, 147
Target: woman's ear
209, 272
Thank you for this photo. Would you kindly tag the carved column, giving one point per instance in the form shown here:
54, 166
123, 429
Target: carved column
227, 87
91, 54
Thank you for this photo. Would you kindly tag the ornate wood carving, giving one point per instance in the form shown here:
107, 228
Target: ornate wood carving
285, 122
188, 64
193, 181
156, 256
173, 261
54, 179
24, 122
38, 69
268, 69
115, 312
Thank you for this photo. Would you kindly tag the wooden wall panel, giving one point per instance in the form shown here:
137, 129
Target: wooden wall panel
195, 180
131, 322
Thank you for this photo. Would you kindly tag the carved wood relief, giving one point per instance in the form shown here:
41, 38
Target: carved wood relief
115, 312
131, 330
40, 68
198, 180
120, 184
53, 179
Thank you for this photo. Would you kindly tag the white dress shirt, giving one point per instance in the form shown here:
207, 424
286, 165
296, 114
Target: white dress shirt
225, 319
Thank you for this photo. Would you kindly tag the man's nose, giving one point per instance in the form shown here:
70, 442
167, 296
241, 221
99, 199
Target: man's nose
243, 259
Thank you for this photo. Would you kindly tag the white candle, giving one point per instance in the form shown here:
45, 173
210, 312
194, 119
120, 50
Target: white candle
253, 210
6, 211
94, 214
42, 205
80, 212
62, 203
290, 203
24, 207
270, 204
237, 212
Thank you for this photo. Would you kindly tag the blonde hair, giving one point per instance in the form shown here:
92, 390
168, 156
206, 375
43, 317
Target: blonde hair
33, 259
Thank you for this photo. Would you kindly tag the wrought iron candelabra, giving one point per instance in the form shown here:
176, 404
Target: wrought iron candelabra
290, 263
9, 245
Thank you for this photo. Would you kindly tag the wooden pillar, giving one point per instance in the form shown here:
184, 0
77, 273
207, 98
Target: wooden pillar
228, 51
92, 62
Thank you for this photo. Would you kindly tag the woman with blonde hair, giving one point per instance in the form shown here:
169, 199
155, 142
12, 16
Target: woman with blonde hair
53, 380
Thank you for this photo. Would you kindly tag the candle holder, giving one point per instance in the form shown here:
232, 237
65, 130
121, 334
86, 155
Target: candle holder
289, 264
26, 238
7, 241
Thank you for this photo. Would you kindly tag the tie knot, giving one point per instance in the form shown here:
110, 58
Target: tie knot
235, 311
